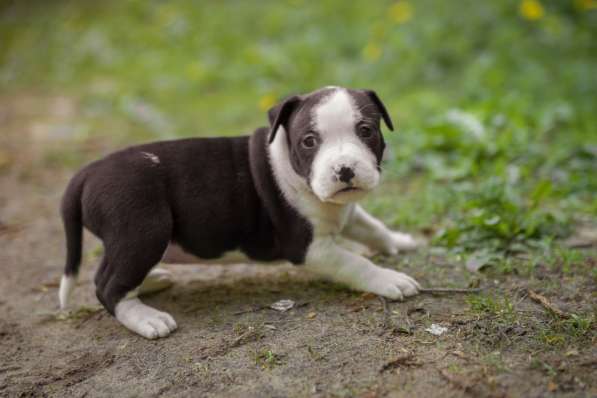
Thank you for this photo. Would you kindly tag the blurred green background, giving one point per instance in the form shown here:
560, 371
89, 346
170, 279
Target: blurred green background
495, 102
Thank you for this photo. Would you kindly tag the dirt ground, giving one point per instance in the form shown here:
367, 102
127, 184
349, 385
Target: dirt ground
334, 342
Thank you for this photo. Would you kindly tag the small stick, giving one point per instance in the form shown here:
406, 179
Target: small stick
386, 312
384, 305
449, 290
547, 304
255, 309
405, 360
266, 307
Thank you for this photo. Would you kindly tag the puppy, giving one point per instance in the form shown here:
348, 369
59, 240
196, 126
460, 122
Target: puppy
284, 193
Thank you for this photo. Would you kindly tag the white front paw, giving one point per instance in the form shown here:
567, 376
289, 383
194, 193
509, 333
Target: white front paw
397, 241
391, 284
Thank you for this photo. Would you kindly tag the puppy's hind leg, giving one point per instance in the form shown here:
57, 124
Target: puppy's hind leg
128, 260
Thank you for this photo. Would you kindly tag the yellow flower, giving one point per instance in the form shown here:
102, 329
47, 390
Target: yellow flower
401, 12
531, 10
585, 5
266, 102
372, 52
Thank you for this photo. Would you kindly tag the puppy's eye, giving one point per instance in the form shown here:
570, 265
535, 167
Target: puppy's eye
365, 131
309, 141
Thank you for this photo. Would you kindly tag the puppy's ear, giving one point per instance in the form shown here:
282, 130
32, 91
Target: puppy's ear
280, 114
381, 107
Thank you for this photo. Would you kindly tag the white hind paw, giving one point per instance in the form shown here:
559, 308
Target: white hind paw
144, 320
157, 280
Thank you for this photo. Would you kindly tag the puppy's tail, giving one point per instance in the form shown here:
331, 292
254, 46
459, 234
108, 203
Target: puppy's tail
72, 219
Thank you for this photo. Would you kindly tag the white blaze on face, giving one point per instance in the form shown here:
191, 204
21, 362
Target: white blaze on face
335, 120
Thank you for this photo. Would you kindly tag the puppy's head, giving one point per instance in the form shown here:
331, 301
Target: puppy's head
334, 140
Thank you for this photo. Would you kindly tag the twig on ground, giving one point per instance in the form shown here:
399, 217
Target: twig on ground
267, 307
384, 305
403, 360
386, 312
251, 335
255, 309
547, 304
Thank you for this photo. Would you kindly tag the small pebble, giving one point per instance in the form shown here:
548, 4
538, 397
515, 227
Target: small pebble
436, 330
282, 305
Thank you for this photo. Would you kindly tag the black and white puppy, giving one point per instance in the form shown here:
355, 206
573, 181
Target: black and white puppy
284, 193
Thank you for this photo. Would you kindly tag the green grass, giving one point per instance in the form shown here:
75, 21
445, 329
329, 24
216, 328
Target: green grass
500, 307
267, 359
498, 317
577, 329
497, 143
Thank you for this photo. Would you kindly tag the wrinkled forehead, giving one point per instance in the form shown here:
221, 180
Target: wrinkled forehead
334, 109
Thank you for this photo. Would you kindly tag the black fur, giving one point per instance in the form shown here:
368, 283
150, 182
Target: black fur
209, 195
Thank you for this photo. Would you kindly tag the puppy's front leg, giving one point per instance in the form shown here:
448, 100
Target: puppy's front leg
326, 258
366, 229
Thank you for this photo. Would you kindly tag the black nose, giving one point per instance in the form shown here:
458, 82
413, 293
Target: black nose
346, 174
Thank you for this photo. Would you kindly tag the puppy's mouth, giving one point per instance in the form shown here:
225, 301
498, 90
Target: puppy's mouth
346, 195
348, 189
